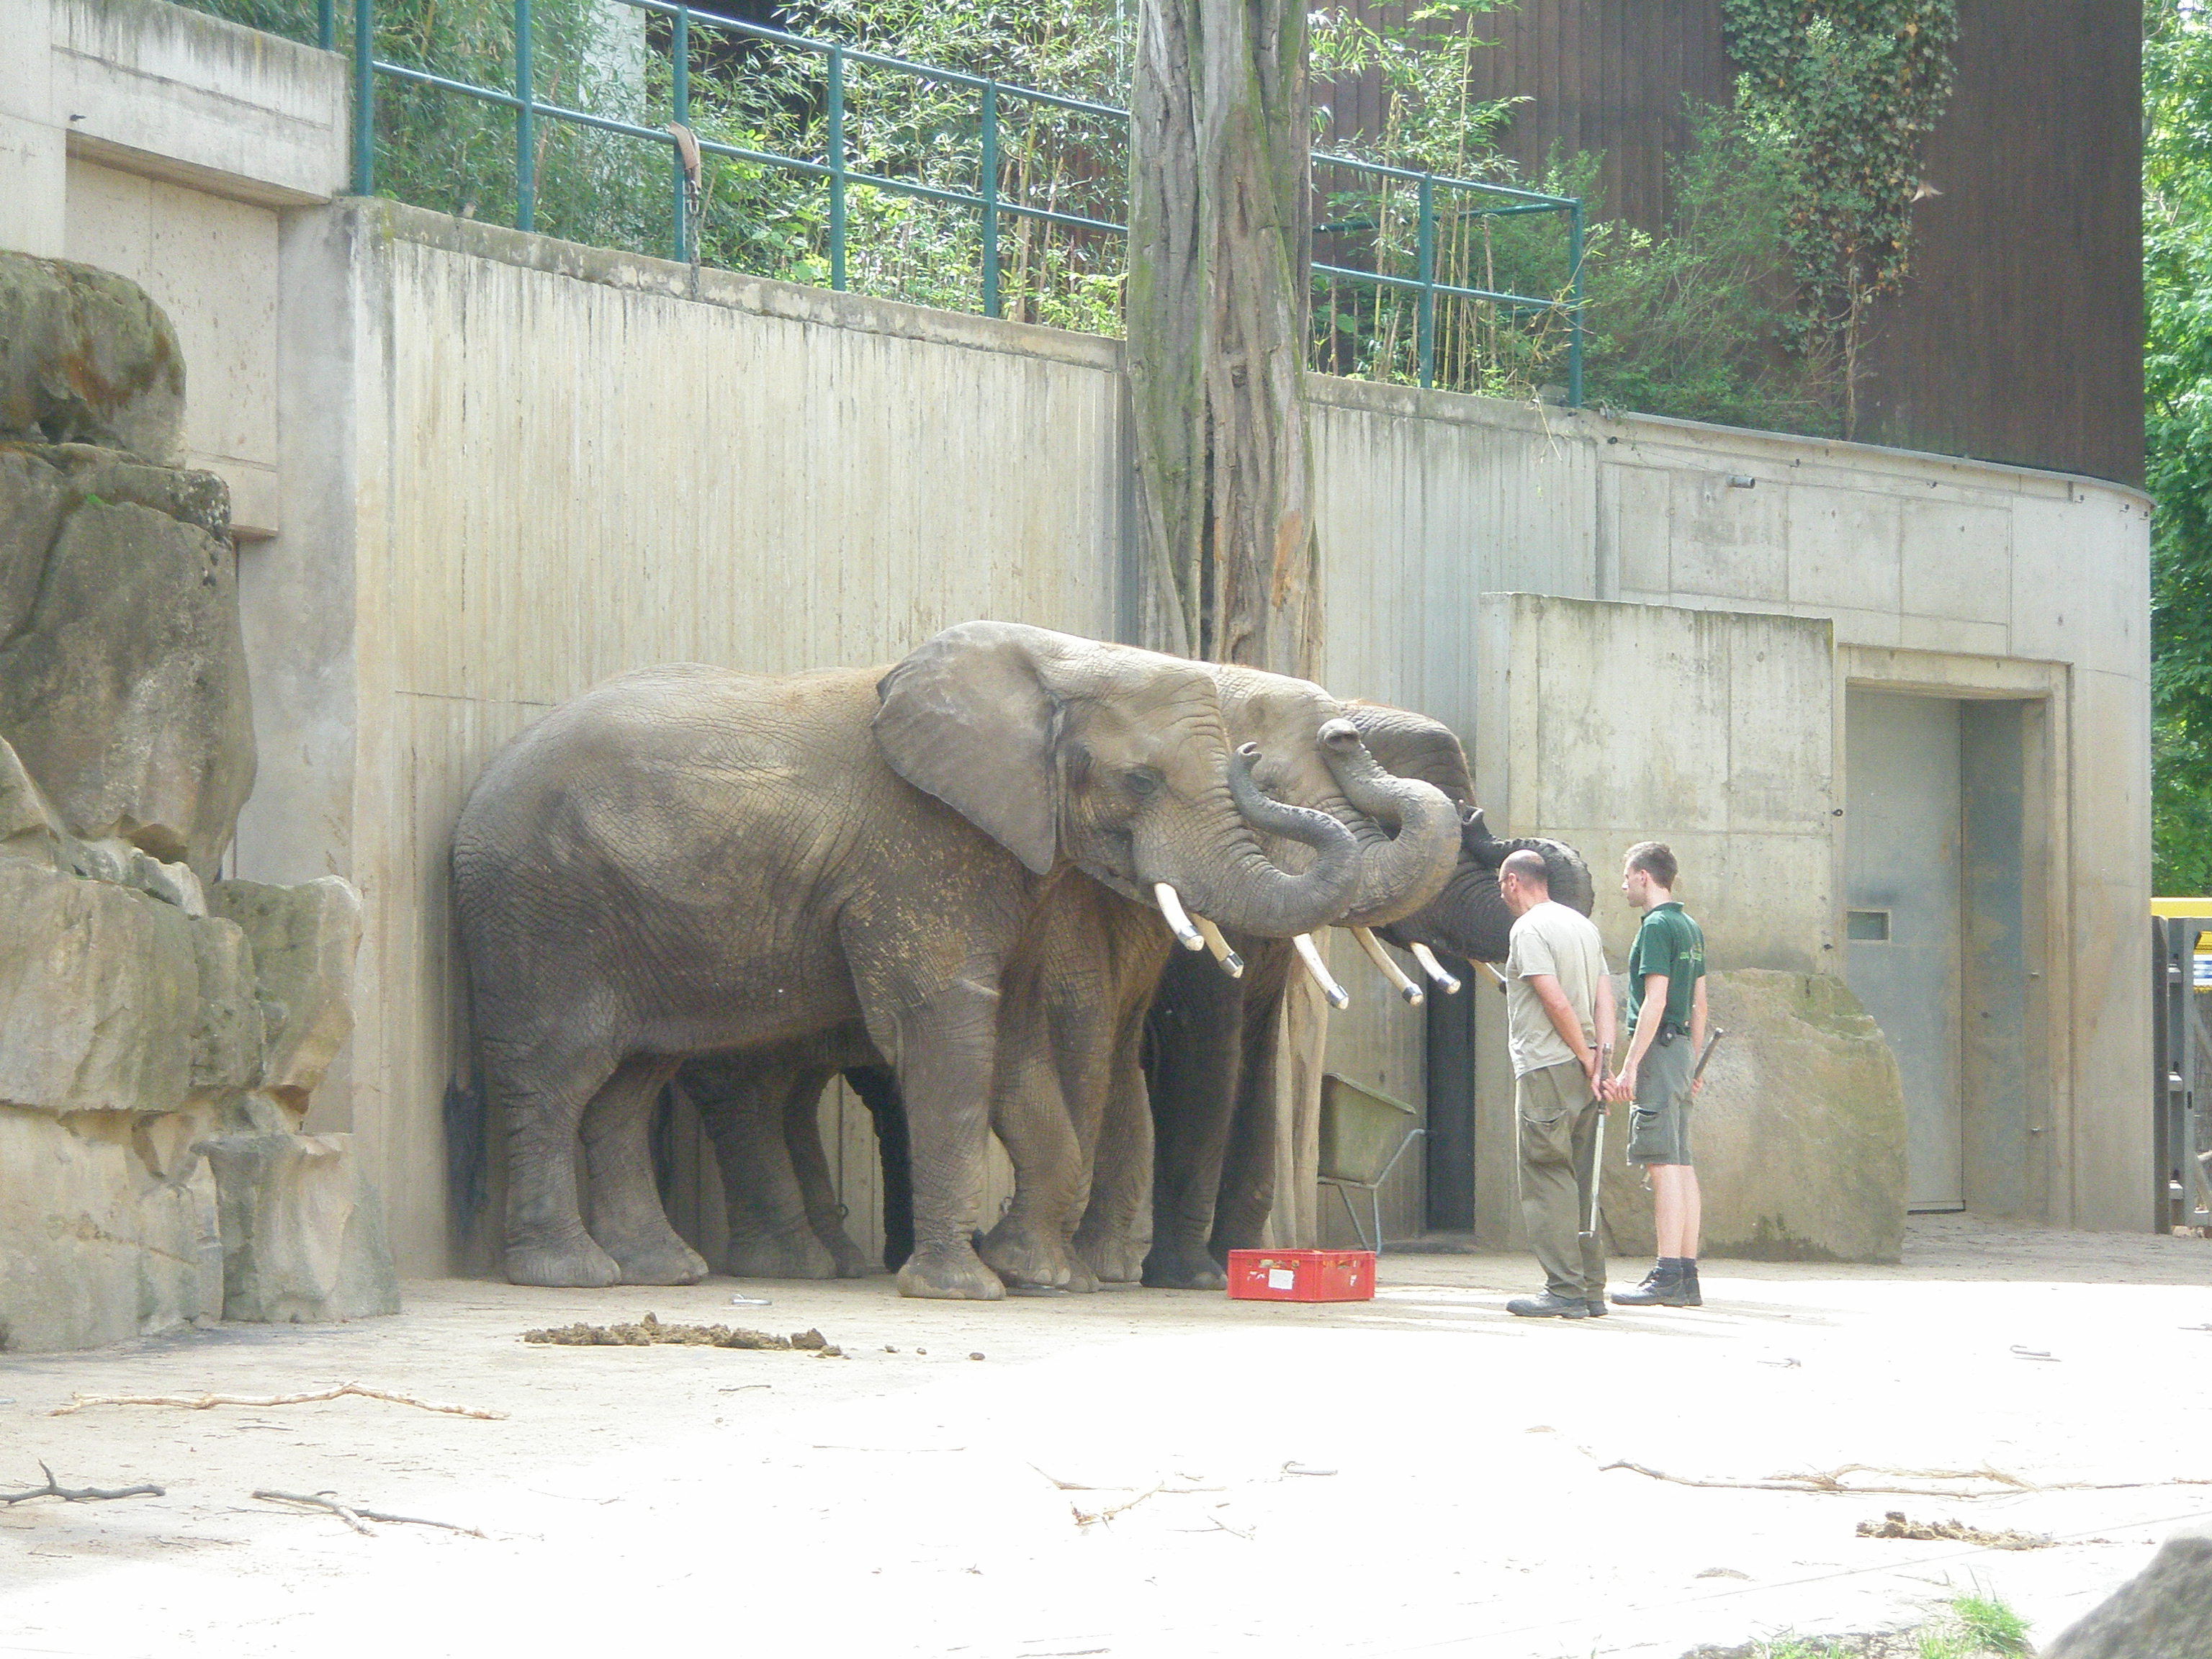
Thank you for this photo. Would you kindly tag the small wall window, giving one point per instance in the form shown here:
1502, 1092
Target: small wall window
1866, 927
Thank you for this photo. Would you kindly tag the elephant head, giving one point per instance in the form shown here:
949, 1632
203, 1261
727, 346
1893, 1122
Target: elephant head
1312, 754
1468, 916
1111, 758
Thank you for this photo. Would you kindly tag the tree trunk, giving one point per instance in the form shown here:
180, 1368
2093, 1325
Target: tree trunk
1219, 251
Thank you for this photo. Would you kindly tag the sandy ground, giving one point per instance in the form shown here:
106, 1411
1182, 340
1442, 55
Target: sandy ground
1422, 1474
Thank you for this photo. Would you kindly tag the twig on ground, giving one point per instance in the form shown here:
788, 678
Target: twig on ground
1085, 1517
354, 1515
203, 1401
78, 1494
1832, 1481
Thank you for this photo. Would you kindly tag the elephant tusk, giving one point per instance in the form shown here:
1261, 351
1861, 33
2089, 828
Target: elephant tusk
1435, 970
1309, 954
1178, 919
1231, 963
1389, 969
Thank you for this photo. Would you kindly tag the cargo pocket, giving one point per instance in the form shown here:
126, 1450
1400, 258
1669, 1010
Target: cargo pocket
1647, 1136
1547, 1139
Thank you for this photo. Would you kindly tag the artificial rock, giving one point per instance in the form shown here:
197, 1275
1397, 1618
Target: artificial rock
1798, 1135
302, 1230
2164, 1612
124, 689
87, 357
303, 940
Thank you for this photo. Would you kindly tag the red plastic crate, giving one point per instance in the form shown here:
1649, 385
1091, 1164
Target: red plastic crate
1301, 1275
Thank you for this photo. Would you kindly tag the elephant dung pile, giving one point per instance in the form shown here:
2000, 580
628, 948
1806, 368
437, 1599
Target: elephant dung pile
161, 1030
649, 1330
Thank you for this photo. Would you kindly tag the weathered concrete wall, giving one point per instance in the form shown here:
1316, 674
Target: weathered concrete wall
563, 467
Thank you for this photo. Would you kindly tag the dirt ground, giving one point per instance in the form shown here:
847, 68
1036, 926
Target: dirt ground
1422, 1475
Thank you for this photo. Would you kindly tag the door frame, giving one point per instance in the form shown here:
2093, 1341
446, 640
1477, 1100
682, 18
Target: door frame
2045, 691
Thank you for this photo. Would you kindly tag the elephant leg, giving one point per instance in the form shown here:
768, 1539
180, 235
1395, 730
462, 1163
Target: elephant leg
810, 1164
878, 1088
741, 1102
1197, 1029
1122, 1166
1031, 1116
1247, 1196
540, 1091
943, 1045
627, 1219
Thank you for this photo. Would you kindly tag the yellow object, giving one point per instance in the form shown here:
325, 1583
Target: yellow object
2193, 910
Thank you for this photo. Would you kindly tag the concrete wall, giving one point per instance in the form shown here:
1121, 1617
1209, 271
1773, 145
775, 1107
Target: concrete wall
165, 145
496, 468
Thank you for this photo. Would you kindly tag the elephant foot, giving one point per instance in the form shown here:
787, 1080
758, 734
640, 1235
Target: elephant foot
1022, 1253
1183, 1268
797, 1256
672, 1262
1113, 1261
575, 1263
950, 1273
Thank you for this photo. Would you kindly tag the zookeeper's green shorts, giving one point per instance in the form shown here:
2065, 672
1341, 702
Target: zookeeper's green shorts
1659, 1122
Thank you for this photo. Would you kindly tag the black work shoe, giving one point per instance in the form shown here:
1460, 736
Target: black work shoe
1594, 1305
1662, 1287
1549, 1306
1692, 1296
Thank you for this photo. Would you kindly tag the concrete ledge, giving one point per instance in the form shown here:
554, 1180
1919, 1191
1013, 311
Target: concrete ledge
149, 87
638, 273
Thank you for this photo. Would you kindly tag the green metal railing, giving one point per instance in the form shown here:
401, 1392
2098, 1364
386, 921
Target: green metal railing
1481, 200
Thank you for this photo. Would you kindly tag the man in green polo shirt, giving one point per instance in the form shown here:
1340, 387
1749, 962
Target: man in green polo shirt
1667, 1018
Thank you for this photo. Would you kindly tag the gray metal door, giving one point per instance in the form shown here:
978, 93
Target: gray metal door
1902, 955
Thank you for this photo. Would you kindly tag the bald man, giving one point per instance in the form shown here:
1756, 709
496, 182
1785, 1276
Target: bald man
1559, 1017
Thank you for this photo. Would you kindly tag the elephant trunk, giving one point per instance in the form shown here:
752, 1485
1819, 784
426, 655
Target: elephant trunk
1398, 873
1255, 895
1469, 918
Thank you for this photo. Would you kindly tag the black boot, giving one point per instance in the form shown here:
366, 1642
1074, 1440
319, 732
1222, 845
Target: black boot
1549, 1306
1692, 1297
1661, 1287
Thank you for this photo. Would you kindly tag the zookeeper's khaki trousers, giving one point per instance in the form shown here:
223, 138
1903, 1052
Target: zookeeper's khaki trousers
1558, 1145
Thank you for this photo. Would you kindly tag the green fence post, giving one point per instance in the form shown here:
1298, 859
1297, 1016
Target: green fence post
326, 24
989, 191
679, 52
364, 98
1425, 324
836, 169
526, 126
1575, 305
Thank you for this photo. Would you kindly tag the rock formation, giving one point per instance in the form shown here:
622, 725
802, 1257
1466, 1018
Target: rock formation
161, 1030
1802, 1098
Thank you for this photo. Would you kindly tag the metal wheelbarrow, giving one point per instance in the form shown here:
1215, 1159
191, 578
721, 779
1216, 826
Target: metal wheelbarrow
1363, 1136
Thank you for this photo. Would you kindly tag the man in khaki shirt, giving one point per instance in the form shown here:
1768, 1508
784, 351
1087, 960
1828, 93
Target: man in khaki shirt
1559, 1017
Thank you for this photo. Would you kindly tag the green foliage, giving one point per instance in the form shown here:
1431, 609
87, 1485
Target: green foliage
1696, 322
2178, 375
1845, 91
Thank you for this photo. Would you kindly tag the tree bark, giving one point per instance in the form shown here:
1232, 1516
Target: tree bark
1216, 310
1219, 249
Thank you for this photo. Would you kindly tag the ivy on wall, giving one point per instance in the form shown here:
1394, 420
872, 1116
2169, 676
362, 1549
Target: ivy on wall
1845, 92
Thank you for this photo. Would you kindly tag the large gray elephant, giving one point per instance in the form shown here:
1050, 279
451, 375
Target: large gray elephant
1069, 1101
1213, 1046
687, 860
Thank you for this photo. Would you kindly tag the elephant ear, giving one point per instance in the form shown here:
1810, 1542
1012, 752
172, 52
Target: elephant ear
968, 718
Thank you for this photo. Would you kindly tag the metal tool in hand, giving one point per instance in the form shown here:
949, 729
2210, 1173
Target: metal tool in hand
1597, 1151
1495, 975
1712, 1043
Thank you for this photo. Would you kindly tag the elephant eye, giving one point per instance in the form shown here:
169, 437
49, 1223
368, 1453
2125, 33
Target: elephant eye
1141, 782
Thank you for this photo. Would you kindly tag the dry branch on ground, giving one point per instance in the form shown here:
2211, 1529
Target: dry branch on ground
354, 1515
78, 1494
200, 1402
1832, 1480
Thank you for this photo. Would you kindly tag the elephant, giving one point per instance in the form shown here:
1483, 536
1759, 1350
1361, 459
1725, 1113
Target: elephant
1214, 1043
688, 859
1069, 1101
